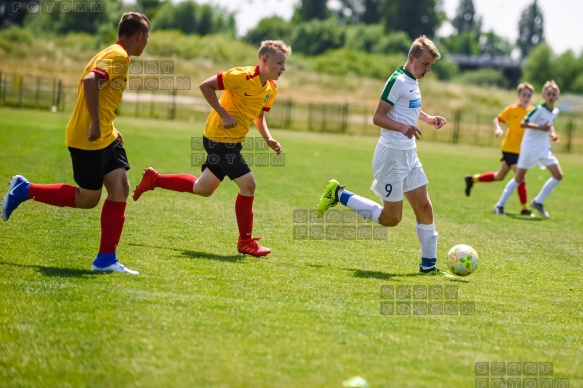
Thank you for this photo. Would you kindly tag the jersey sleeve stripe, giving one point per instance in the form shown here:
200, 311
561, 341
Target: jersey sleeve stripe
220, 80
102, 72
388, 87
529, 115
265, 109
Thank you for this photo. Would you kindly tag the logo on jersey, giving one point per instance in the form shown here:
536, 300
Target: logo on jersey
415, 103
267, 96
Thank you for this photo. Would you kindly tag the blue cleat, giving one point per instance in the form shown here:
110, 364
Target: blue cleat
107, 262
17, 193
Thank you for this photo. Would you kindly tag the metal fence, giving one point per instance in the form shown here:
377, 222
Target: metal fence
475, 129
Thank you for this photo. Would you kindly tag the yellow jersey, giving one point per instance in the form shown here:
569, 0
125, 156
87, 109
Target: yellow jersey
243, 98
512, 115
113, 64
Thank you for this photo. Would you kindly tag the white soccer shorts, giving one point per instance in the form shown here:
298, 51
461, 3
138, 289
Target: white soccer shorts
396, 172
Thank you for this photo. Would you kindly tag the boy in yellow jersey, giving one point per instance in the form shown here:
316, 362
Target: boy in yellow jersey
95, 145
512, 115
249, 92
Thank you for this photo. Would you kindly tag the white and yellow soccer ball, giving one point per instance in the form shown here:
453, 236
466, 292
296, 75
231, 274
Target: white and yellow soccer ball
462, 260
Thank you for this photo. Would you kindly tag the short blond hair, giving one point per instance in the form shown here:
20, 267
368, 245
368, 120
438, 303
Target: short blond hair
270, 47
424, 44
551, 84
524, 85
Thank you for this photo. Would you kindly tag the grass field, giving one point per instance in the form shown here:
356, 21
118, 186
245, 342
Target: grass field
308, 315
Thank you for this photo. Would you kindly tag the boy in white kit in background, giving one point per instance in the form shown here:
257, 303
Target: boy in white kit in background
536, 148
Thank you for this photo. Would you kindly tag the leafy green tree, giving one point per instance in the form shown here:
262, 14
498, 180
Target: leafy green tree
269, 28
317, 37
578, 83
463, 43
360, 37
494, 45
311, 9
149, 7
530, 29
206, 20
420, 17
538, 67
466, 19
391, 43
371, 14
13, 13
357, 11
184, 17
566, 70
65, 16
192, 18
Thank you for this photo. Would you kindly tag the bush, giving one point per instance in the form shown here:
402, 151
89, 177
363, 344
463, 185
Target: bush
483, 77
272, 28
80, 42
577, 86
216, 48
395, 42
445, 69
344, 61
317, 36
17, 35
361, 37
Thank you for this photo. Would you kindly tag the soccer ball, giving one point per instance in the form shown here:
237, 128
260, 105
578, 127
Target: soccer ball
462, 260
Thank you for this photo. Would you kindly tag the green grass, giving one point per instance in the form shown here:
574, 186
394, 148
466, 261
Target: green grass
308, 315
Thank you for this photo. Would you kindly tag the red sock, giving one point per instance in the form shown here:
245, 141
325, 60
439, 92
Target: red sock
487, 177
522, 193
112, 220
176, 182
244, 213
56, 195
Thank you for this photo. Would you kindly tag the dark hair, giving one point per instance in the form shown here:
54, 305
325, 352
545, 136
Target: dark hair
132, 23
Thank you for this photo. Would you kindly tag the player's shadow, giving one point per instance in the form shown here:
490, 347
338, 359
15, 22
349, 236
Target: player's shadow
212, 256
57, 271
197, 254
359, 273
520, 217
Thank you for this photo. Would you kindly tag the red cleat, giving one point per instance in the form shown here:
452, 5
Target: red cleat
252, 247
147, 183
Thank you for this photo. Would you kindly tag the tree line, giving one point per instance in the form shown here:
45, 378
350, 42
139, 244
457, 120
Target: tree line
325, 27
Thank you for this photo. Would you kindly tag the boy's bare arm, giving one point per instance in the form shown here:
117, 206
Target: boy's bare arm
498, 132
528, 124
261, 125
436, 121
209, 89
91, 92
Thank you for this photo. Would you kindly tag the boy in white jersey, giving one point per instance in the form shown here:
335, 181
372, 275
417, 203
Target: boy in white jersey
396, 167
536, 148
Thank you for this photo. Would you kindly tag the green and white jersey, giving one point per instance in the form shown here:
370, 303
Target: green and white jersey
402, 92
534, 139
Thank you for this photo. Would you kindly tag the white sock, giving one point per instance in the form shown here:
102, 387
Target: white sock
363, 206
508, 190
428, 240
547, 189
